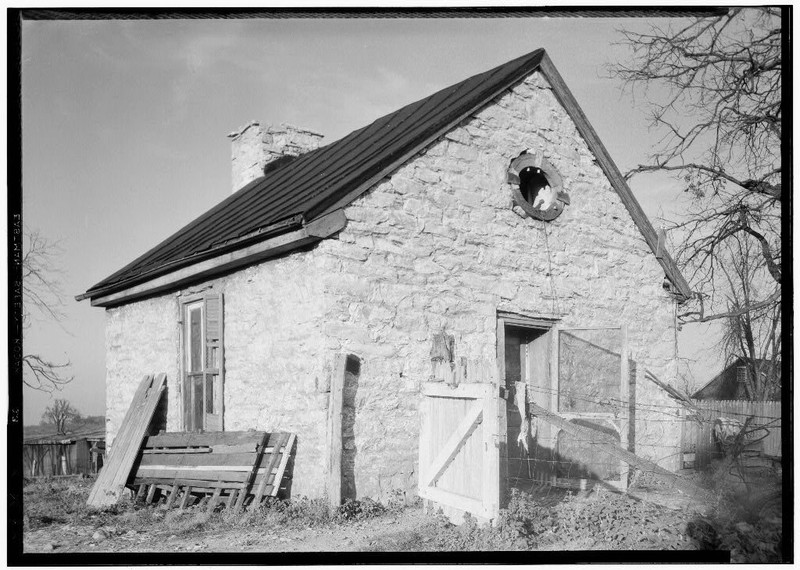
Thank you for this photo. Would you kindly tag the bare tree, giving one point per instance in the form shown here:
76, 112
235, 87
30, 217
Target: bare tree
714, 90
60, 414
752, 334
713, 86
42, 298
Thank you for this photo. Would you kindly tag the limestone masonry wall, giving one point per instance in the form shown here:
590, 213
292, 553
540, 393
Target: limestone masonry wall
141, 338
274, 366
435, 246
438, 246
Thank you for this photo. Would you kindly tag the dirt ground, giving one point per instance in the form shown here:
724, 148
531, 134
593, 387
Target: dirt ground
56, 520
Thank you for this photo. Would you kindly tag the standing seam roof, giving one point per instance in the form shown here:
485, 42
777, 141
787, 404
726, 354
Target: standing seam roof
318, 177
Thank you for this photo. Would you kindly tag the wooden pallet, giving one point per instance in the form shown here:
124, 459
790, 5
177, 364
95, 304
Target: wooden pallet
235, 469
138, 422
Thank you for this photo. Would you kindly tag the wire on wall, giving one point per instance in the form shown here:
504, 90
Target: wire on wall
555, 307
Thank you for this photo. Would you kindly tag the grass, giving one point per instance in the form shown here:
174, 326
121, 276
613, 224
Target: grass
558, 520
52, 501
62, 501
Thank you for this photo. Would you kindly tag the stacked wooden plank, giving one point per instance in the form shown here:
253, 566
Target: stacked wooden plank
138, 423
233, 468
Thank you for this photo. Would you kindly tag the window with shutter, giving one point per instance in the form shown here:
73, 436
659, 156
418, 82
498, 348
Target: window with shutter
202, 379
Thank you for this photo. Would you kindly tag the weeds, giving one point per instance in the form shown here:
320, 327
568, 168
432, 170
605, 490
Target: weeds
517, 529
54, 501
747, 522
300, 512
748, 525
355, 510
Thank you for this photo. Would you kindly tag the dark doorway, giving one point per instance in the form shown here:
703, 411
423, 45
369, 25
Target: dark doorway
527, 359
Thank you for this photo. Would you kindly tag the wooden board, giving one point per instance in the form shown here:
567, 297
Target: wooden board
253, 472
111, 480
241, 474
272, 463
205, 439
335, 409
198, 459
281, 469
197, 485
608, 444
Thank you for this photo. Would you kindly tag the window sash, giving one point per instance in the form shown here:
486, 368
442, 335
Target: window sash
202, 378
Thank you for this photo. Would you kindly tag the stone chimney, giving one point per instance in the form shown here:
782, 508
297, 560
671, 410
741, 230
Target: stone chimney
255, 145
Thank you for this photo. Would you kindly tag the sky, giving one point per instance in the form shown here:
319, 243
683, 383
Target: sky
125, 128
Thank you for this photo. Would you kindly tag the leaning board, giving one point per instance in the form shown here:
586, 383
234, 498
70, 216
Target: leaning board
111, 480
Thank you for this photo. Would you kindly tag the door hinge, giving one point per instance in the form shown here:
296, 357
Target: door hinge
504, 392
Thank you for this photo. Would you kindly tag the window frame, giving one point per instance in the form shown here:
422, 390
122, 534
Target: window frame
209, 420
528, 159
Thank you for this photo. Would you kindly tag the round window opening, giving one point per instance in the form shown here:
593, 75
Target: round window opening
537, 187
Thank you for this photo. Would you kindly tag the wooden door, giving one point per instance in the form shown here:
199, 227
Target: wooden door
540, 388
589, 368
458, 451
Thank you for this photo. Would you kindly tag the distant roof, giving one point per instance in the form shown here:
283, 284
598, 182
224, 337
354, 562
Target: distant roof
94, 433
297, 191
725, 385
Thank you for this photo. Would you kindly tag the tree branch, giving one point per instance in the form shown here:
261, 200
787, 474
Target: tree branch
756, 186
773, 268
46, 375
771, 300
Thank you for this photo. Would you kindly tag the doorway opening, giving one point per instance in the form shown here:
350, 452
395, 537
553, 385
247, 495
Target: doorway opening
582, 374
527, 348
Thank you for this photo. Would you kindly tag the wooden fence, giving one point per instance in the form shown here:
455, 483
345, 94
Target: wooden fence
697, 438
68, 457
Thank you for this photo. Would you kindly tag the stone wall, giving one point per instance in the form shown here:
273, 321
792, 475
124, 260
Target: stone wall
275, 365
141, 338
437, 246
275, 371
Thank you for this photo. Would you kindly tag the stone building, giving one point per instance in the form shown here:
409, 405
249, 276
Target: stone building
493, 197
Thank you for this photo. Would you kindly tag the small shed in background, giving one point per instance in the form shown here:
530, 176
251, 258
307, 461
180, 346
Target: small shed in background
78, 452
730, 383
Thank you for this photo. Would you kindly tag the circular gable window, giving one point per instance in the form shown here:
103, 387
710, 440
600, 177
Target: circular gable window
537, 187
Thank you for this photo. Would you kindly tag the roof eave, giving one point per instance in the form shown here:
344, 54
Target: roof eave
275, 246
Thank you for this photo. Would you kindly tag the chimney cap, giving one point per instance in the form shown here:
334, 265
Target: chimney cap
282, 128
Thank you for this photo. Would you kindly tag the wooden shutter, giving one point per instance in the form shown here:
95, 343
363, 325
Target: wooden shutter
214, 362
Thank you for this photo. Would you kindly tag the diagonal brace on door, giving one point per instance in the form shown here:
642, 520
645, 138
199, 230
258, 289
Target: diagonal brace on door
463, 431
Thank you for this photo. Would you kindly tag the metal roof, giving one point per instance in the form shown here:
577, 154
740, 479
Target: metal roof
57, 438
294, 192
725, 385
300, 186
